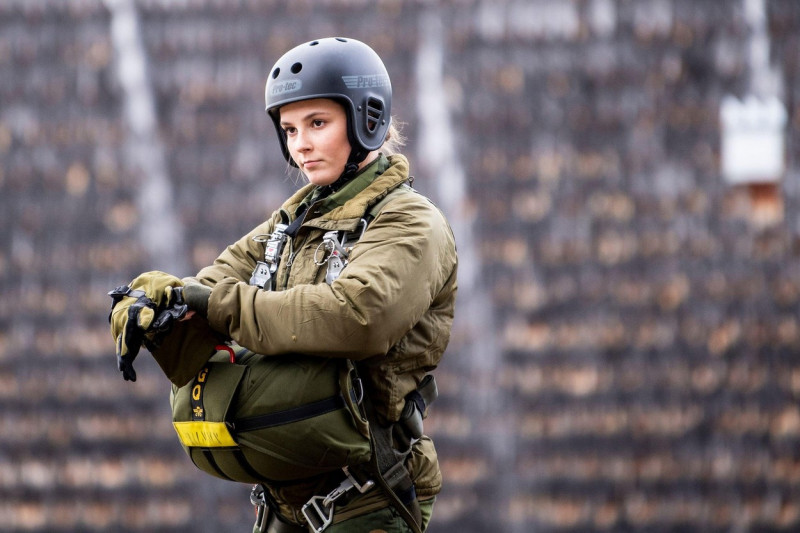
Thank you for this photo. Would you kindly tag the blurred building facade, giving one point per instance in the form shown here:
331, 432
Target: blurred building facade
625, 350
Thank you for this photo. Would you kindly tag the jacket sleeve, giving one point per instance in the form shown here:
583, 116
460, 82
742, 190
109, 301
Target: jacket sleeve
396, 269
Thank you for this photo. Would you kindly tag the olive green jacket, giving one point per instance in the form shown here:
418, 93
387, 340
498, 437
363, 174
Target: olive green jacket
391, 309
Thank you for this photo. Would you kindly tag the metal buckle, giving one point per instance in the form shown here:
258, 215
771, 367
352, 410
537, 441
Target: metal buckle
258, 499
257, 495
358, 390
368, 484
319, 509
318, 517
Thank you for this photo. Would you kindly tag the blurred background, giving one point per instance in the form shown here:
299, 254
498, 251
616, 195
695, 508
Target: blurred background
622, 178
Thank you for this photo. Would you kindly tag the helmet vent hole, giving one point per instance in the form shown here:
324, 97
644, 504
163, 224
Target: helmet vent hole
276, 73
313, 43
374, 113
341, 40
297, 67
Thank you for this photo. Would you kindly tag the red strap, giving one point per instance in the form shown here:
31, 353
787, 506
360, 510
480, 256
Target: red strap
227, 349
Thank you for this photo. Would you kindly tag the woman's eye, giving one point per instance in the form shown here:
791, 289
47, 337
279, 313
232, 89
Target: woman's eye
289, 130
318, 122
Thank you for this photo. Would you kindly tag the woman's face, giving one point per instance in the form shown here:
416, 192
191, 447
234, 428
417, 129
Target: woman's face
316, 135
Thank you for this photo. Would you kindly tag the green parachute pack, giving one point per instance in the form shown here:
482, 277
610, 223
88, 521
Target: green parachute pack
252, 418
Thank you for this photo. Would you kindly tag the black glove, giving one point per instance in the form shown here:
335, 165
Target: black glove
138, 320
166, 319
129, 322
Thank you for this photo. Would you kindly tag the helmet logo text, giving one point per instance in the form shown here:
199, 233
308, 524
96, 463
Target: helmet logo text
364, 82
288, 86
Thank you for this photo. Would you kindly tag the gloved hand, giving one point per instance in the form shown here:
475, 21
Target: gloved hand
158, 286
167, 317
141, 311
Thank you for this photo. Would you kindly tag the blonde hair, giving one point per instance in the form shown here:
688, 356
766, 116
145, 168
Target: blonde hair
395, 140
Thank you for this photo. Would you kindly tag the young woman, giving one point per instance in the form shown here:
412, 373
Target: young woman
385, 301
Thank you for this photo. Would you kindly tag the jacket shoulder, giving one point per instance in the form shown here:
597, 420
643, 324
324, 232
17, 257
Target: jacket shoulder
376, 208
405, 199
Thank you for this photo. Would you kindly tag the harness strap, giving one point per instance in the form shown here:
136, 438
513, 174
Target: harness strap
291, 229
390, 472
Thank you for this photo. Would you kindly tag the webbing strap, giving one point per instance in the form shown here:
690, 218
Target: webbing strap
291, 229
237, 455
196, 399
209, 457
392, 475
245, 465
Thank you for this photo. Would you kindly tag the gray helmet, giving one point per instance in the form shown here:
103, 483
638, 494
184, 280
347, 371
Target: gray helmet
345, 70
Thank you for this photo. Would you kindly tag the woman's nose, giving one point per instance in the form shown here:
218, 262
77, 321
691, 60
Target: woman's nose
302, 142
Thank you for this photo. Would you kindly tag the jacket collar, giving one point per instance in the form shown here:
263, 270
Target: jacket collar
358, 183
346, 207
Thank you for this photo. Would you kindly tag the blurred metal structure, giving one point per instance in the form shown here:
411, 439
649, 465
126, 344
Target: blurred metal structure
753, 147
161, 230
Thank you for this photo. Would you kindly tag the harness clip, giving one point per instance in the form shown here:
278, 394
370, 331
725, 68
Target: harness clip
258, 499
319, 509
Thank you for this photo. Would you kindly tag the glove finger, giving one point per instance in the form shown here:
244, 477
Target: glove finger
177, 295
166, 319
145, 317
117, 295
132, 334
162, 325
155, 284
125, 364
129, 343
119, 316
121, 347
163, 322
128, 373
169, 296
122, 352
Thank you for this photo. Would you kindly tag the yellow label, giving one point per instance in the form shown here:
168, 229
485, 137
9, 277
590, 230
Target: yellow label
204, 434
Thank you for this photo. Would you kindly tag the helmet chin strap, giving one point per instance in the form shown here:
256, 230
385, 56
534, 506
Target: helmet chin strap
350, 171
